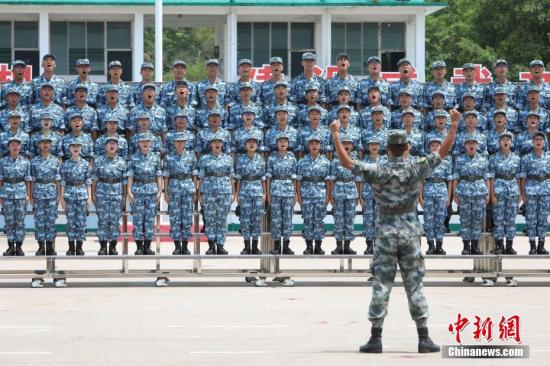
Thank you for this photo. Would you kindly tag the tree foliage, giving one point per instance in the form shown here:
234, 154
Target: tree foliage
483, 31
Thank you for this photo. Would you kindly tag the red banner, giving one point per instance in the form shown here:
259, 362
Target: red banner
6, 75
526, 76
482, 75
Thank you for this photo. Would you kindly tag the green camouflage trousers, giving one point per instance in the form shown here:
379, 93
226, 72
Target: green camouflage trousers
387, 253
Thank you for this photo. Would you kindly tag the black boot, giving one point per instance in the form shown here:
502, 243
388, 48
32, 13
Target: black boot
439, 248
139, 247
11, 249
318, 250
184, 249
425, 343
347, 249
533, 247
50, 248
41, 248
72, 248
337, 250
276, 247
499, 247
466, 249
20, 253
177, 247
309, 247
431, 248
255, 250
103, 247
79, 250
112, 247
211, 248
510, 247
147, 248
370, 247
540, 248
286, 247
246, 249
474, 250
220, 250
374, 345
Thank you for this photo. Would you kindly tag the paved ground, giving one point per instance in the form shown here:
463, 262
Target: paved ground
220, 321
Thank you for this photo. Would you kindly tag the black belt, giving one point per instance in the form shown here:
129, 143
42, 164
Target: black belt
110, 180
472, 178
75, 183
538, 178
13, 180
145, 180
397, 210
345, 180
435, 180
216, 174
281, 177
251, 177
181, 176
313, 179
45, 181
505, 176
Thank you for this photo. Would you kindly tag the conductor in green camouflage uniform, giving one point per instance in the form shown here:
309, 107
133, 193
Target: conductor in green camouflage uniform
395, 186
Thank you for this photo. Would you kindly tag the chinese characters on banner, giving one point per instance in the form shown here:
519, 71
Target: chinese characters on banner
482, 75
508, 328
6, 74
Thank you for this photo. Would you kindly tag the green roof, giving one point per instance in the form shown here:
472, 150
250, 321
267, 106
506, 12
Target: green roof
229, 2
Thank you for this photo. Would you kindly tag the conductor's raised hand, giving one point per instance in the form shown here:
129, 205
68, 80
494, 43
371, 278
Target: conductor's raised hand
335, 127
455, 117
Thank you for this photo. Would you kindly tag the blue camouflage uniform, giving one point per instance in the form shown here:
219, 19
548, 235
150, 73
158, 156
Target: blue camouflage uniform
416, 141
180, 170
494, 87
137, 93
104, 112
241, 136
524, 143
91, 87
59, 87
281, 172
169, 141
236, 112
4, 118
366, 116
414, 88
89, 118
380, 135
221, 87
45, 176
37, 111
20, 134
536, 172
482, 122
370, 209
354, 134
476, 90
544, 119
267, 88
201, 117
321, 132
335, 84
397, 115
471, 173
435, 196
14, 174
462, 137
273, 134
56, 149
234, 96
512, 119
204, 136
145, 169
109, 174
251, 174
175, 110
302, 118
99, 147
76, 178
344, 194
24, 89
312, 173
448, 89
125, 94
523, 90
217, 172
363, 87
156, 143
300, 84
87, 151
504, 170
428, 122
270, 109
157, 118
493, 141
167, 94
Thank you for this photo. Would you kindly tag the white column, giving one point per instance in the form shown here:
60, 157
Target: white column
324, 45
230, 47
43, 33
137, 46
420, 46
158, 41
410, 38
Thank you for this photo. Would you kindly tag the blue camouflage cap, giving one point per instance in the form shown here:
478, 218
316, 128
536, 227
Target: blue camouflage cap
532, 113
147, 65
499, 90
407, 111
281, 83
76, 141
146, 136
82, 62
313, 137
499, 111
377, 109
470, 137
44, 138
437, 92
180, 136
148, 86
342, 55
282, 136
13, 91
18, 63
81, 86
506, 134
46, 115
179, 63
215, 112
501, 62
312, 86
111, 138
215, 137
111, 118
280, 108
75, 115
115, 63
344, 107
373, 140
308, 56
468, 65
441, 113
15, 114
180, 114
179, 83
213, 61
275, 60
373, 87
533, 88
468, 94
254, 138
47, 85
438, 64
434, 139
373, 59
48, 55
314, 108
211, 87
397, 137
144, 115
470, 113
111, 88
536, 63
14, 138
344, 88
347, 138
245, 85
248, 110
245, 61
405, 91
404, 61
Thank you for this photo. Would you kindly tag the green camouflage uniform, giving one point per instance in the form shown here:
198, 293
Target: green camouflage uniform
395, 186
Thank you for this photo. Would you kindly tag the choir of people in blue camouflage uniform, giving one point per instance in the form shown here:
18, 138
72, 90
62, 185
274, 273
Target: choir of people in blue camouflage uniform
266, 146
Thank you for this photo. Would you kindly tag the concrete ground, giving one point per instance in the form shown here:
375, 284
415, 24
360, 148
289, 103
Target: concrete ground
215, 321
